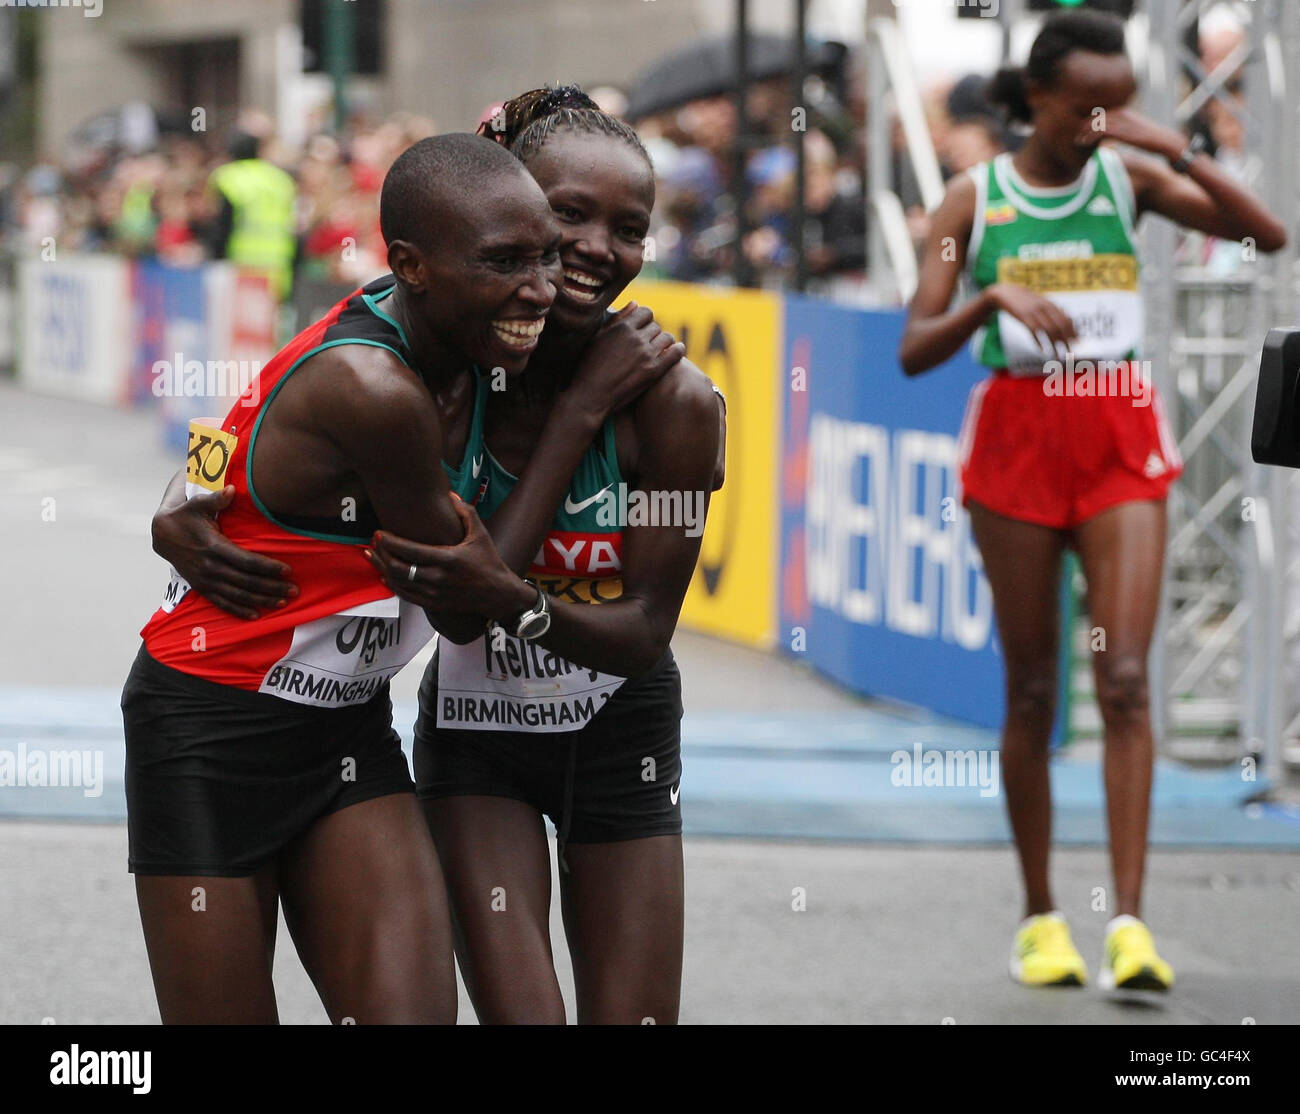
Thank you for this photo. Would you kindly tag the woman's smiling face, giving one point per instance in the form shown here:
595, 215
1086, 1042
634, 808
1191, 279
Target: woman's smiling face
601, 190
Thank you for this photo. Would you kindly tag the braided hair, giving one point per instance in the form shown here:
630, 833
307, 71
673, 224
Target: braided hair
526, 123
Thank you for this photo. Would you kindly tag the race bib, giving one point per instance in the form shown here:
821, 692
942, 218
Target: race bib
177, 589
208, 456
1109, 325
206, 461
502, 683
344, 658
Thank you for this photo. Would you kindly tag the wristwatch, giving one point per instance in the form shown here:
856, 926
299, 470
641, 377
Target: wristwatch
1195, 146
536, 620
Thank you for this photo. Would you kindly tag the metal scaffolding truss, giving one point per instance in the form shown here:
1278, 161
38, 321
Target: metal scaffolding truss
1217, 660
1229, 625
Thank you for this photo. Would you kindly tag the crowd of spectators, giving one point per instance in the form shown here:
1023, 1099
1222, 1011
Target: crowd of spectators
159, 201
695, 229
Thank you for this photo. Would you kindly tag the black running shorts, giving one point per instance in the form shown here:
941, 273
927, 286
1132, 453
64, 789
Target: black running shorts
626, 763
219, 779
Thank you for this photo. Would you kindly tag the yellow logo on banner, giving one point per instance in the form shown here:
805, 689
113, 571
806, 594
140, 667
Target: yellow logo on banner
209, 455
1048, 276
733, 336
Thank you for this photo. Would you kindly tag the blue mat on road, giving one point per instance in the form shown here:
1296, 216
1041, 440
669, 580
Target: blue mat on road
867, 775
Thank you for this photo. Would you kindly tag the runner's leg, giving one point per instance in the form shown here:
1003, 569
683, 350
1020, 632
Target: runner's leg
624, 918
497, 862
1122, 551
365, 903
1023, 564
211, 942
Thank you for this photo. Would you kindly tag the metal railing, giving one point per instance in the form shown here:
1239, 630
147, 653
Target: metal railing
1217, 659
893, 92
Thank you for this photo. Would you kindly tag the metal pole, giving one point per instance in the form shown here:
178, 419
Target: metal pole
741, 272
1157, 249
1277, 37
800, 69
337, 46
1284, 291
879, 167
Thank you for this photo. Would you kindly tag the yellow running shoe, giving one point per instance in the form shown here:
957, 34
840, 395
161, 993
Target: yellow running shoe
1044, 955
1131, 962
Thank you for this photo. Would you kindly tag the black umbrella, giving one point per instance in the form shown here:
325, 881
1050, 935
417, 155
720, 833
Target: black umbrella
707, 68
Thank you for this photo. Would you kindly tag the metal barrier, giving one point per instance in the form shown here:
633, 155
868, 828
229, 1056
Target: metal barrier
892, 258
1217, 662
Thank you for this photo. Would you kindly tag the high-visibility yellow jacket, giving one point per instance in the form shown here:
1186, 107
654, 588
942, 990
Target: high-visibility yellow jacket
262, 234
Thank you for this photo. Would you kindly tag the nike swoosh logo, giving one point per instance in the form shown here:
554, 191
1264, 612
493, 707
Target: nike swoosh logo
478, 464
675, 792
570, 507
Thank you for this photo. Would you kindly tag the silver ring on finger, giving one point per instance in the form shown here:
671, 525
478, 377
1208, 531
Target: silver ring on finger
411, 575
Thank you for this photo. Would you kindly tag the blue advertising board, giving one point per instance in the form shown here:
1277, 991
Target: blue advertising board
882, 585
148, 308
172, 344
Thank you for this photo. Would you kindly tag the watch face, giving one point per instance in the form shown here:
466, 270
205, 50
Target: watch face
535, 625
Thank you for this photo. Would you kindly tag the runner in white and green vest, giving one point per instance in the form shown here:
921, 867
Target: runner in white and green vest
1051, 458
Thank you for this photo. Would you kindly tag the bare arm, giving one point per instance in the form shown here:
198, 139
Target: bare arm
186, 536
677, 433
934, 332
1206, 198
720, 464
631, 353
677, 429
628, 354
386, 426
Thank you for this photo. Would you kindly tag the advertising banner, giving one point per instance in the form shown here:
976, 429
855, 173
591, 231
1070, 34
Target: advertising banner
76, 327
882, 586
734, 338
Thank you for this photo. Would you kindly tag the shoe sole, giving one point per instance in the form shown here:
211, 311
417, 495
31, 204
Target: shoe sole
1014, 969
1144, 979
